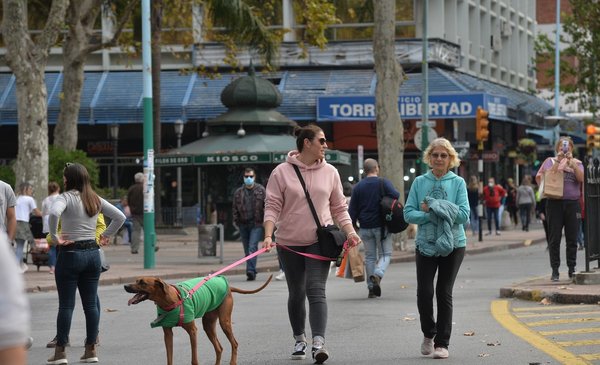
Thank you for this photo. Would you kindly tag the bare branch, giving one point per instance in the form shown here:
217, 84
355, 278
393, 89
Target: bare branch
53, 26
122, 22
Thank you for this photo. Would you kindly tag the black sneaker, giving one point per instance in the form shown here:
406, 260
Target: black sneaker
555, 275
571, 272
376, 280
250, 276
371, 294
299, 350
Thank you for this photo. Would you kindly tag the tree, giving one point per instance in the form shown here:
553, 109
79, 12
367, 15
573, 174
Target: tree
578, 63
390, 131
80, 42
27, 58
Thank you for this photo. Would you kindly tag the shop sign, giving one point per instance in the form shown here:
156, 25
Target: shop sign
279, 157
173, 160
441, 106
337, 157
232, 158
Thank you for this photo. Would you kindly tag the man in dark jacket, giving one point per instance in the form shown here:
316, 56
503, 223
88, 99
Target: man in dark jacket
135, 198
364, 208
248, 214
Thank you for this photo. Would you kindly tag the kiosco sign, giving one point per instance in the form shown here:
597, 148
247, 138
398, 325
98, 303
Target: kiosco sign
442, 106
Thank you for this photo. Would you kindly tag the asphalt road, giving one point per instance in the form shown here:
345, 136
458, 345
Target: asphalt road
360, 330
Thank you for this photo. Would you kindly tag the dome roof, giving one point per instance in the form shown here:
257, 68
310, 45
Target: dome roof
251, 91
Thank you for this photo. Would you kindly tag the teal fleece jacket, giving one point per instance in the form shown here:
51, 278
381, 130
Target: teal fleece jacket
450, 187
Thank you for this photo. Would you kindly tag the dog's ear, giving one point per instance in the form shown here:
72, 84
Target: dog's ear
161, 285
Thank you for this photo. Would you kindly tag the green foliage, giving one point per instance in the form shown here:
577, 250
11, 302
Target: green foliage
7, 174
58, 157
527, 150
578, 64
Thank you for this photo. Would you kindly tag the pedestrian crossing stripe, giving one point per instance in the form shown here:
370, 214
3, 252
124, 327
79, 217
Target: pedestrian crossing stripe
532, 315
591, 357
554, 308
578, 343
562, 321
570, 331
501, 312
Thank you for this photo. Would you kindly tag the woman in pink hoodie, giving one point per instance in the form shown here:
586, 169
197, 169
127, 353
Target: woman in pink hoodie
287, 209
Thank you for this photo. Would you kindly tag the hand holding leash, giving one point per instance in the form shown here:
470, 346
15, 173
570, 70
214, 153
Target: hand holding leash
268, 243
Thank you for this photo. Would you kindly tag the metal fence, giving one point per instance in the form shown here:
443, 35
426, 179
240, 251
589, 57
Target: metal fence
190, 216
592, 211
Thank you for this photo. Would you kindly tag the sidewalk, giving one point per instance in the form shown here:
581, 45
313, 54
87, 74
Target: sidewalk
178, 259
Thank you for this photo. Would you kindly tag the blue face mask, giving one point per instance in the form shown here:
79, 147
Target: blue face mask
248, 180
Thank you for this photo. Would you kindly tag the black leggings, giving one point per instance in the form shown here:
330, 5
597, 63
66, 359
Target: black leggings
559, 214
306, 278
448, 269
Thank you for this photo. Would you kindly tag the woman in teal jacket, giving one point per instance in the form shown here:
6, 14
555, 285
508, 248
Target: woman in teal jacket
438, 203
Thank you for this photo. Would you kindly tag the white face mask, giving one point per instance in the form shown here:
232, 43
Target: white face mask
491, 185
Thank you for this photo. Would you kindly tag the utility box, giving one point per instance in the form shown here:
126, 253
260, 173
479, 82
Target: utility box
208, 234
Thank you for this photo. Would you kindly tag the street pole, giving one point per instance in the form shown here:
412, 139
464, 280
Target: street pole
425, 72
149, 230
114, 134
480, 188
179, 131
557, 62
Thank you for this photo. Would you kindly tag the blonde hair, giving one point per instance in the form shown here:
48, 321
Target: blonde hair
444, 143
473, 182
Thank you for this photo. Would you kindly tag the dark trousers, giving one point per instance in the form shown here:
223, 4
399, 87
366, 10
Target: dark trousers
306, 278
493, 212
525, 211
447, 268
77, 270
559, 214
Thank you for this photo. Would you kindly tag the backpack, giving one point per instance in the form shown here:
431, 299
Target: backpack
392, 212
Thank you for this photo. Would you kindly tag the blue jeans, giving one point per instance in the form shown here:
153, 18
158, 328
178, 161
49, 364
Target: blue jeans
251, 235
474, 220
19, 250
52, 256
378, 252
77, 269
493, 213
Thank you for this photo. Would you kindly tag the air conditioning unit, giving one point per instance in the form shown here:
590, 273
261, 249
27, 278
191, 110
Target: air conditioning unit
496, 42
505, 29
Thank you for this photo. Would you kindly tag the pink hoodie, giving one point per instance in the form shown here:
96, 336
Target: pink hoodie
287, 207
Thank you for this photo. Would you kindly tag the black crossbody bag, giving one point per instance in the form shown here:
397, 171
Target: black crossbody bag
331, 239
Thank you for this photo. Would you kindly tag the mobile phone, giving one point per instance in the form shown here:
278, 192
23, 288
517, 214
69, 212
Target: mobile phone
565, 146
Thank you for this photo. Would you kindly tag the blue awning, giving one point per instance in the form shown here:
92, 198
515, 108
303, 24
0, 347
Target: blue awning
116, 96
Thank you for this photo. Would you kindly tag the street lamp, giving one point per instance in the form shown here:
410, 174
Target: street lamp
114, 135
179, 131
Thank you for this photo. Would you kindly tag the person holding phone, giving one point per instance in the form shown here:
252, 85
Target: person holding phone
566, 211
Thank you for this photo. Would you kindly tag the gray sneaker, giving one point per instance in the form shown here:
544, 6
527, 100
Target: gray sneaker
319, 352
427, 346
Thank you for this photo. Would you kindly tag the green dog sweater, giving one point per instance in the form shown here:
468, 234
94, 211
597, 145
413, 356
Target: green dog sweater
207, 298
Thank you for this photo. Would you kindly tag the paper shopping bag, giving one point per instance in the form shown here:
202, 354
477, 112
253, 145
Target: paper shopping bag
356, 264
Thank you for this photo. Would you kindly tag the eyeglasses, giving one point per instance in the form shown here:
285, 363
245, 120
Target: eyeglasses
443, 156
322, 141
248, 175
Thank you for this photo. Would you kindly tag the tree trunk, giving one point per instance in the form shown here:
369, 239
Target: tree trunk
156, 27
65, 132
27, 60
390, 131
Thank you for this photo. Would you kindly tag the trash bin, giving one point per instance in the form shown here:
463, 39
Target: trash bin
207, 239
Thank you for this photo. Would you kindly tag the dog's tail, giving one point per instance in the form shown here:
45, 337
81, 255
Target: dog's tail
242, 291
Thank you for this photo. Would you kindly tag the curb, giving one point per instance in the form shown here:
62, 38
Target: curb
537, 295
408, 257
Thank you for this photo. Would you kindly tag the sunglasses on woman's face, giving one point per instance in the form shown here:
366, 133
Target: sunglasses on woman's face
322, 141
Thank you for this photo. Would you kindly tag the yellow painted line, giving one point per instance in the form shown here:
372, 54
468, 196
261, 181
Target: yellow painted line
501, 312
562, 321
578, 343
570, 332
553, 308
591, 357
555, 314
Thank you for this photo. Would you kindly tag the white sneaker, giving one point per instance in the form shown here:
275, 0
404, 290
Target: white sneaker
427, 346
299, 350
24, 267
280, 276
319, 352
440, 353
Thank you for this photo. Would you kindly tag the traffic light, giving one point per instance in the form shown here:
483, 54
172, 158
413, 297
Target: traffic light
482, 123
593, 137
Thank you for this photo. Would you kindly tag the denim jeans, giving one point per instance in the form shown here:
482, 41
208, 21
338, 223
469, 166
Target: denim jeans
525, 213
306, 279
77, 269
378, 252
474, 221
251, 235
20, 246
493, 212
447, 268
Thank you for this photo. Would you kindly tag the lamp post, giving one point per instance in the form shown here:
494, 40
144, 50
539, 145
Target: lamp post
179, 131
114, 135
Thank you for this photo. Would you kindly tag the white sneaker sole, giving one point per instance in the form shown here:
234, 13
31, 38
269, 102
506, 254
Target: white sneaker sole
298, 357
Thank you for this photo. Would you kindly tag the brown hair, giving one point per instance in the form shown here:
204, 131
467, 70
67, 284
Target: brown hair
53, 187
310, 131
77, 178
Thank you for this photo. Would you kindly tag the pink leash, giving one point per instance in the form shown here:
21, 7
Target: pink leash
179, 303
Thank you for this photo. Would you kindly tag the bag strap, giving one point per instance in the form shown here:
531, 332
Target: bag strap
310, 203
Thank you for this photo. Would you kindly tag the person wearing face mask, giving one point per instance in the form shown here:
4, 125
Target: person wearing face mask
492, 196
248, 213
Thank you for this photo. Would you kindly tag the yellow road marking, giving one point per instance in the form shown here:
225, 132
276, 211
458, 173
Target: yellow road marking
562, 321
553, 308
578, 343
532, 315
591, 357
570, 332
501, 312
